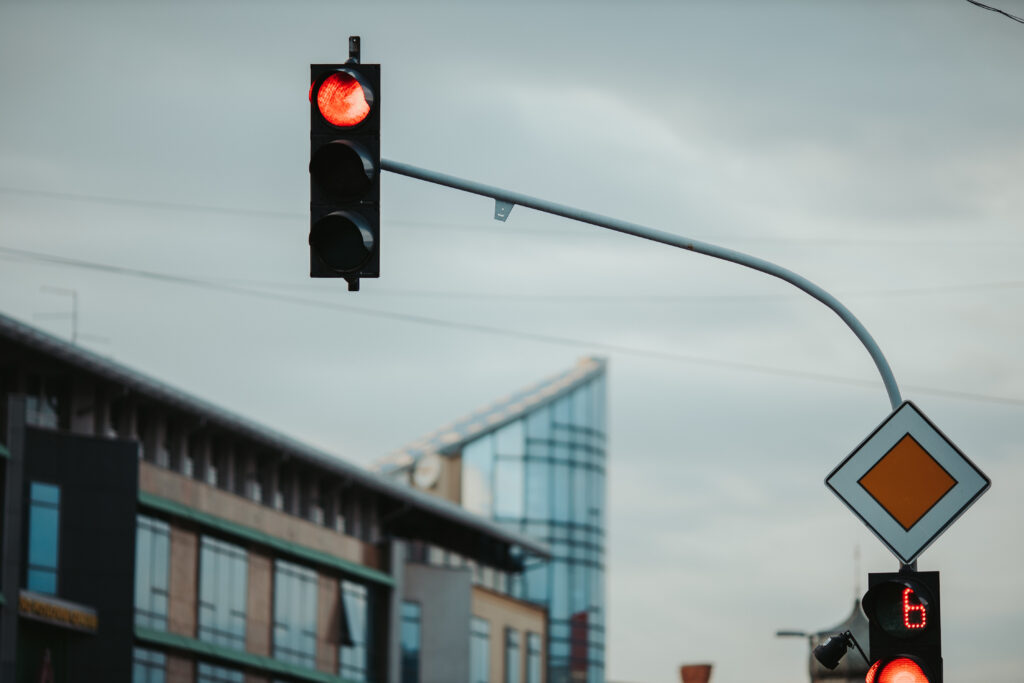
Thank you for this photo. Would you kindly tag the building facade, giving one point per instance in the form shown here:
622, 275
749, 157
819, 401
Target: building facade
534, 462
149, 536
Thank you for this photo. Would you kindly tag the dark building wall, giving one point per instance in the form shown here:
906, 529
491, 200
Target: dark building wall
99, 491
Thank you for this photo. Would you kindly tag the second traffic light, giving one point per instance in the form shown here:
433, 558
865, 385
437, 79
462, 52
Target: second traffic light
344, 170
906, 635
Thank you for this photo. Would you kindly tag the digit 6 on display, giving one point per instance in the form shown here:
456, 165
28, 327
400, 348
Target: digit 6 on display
905, 635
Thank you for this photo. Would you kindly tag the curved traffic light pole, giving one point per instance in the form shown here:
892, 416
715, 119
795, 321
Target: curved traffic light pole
506, 199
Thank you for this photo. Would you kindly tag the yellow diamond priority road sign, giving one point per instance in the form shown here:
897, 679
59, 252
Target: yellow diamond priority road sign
907, 482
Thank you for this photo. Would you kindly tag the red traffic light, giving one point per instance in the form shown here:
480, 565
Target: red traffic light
342, 99
898, 670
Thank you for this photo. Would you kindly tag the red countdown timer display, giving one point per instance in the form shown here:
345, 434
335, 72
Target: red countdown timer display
900, 608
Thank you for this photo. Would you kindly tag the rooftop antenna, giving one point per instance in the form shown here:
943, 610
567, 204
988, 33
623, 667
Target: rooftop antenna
73, 314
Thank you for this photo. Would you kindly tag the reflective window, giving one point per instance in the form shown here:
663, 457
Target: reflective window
295, 599
512, 662
43, 537
538, 493
223, 581
509, 440
479, 650
152, 565
533, 658
410, 641
508, 487
356, 653
148, 666
477, 471
211, 673
544, 475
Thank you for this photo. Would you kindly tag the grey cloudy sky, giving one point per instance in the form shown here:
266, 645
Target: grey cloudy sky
875, 148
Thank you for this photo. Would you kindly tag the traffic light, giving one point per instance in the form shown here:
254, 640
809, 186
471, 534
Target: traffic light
905, 629
344, 169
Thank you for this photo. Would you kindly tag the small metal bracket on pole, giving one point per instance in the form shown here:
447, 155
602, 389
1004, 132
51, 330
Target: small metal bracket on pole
353, 49
502, 209
505, 200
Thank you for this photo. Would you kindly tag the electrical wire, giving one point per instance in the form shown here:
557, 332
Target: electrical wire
493, 330
996, 10
492, 228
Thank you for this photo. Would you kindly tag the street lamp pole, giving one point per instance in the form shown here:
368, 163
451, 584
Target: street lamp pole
506, 199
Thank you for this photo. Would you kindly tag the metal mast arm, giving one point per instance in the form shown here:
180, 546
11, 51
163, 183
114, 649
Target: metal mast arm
506, 199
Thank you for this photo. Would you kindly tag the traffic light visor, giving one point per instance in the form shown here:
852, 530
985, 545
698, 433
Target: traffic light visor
343, 100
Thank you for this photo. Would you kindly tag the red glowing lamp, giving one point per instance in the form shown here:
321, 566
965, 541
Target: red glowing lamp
899, 670
343, 100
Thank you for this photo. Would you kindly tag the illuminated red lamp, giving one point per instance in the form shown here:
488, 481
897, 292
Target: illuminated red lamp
898, 670
342, 100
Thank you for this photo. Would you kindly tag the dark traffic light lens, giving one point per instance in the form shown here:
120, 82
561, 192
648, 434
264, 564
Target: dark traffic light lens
342, 241
342, 100
343, 170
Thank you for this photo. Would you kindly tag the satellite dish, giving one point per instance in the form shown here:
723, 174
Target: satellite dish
428, 471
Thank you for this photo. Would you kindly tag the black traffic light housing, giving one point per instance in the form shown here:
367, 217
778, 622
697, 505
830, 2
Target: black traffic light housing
344, 169
905, 625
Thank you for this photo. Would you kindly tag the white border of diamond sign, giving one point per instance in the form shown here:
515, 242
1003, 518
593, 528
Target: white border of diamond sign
907, 545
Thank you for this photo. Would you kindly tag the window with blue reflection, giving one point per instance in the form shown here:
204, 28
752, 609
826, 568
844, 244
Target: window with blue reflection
562, 492
43, 537
510, 440
356, 654
223, 582
538, 424
152, 571
148, 666
479, 650
538, 493
295, 600
409, 638
512, 661
211, 673
477, 473
508, 487
536, 580
580, 509
533, 657
563, 411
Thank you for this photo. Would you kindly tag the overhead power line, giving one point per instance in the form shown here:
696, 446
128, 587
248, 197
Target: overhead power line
493, 228
492, 330
996, 10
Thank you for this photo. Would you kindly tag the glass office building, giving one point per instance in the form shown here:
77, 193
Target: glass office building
535, 463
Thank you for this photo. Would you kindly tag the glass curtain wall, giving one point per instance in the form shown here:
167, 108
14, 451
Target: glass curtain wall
543, 475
